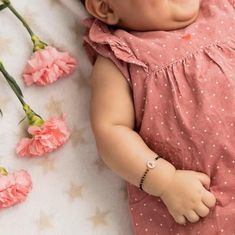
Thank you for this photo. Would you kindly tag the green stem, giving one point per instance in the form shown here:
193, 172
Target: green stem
2, 7
12, 84
33, 118
38, 44
15, 12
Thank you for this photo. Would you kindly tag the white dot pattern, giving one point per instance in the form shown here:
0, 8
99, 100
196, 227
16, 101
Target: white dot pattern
183, 84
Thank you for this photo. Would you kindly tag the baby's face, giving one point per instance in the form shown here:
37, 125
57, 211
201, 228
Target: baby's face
145, 15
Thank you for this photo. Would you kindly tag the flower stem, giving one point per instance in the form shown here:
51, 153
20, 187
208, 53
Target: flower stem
11, 81
38, 44
33, 118
2, 7
15, 12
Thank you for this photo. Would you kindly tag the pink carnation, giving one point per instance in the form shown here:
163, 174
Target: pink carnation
47, 65
14, 188
51, 135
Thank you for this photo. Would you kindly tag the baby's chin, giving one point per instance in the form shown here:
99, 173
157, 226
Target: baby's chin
185, 10
183, 23
181, 14
178, 23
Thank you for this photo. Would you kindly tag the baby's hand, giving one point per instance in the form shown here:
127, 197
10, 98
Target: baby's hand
186, 197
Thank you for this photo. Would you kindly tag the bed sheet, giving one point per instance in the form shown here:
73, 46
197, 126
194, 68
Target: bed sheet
74, 192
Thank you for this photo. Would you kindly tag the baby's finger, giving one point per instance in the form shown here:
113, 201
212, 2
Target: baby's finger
192, 216
205, 179
180, 219
208, 199
202, 210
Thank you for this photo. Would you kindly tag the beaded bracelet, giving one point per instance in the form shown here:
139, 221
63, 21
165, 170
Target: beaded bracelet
150, 165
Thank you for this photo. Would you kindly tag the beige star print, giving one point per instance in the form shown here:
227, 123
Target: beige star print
44, 221
99, 218
74, 191
48, 164
54, 106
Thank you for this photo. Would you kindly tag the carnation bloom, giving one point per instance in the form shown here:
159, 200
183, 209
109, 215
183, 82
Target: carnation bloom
48, 65
14, 187
45, 138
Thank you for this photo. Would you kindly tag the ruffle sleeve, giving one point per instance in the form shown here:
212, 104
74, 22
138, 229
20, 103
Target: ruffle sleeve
100, 39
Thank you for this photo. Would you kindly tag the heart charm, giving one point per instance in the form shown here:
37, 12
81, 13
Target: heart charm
151, 164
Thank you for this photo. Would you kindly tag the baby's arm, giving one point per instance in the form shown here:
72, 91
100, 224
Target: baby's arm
125, 152
112, 120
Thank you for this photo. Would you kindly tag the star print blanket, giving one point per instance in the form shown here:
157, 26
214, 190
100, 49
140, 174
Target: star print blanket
73, 191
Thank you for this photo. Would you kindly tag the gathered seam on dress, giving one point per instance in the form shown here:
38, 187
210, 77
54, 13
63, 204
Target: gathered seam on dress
190, 55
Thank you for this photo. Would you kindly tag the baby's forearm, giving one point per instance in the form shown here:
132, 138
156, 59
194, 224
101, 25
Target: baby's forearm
125, 152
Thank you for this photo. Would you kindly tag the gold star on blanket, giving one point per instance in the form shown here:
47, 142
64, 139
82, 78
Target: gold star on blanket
54, 106
44, 221
99, 218
77, 136
5, 45
100, 164
47, 164
74, 191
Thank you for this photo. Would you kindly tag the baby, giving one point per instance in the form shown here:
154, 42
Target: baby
163, 109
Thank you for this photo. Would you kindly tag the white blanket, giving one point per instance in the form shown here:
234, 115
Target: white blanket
74, 193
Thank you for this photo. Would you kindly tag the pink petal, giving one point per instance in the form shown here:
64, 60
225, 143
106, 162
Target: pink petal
14, 188
47, 138
47, 66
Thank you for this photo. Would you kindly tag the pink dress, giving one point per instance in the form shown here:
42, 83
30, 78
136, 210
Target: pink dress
183, 84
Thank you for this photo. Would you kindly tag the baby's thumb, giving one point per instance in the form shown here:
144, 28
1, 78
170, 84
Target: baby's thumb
205, 179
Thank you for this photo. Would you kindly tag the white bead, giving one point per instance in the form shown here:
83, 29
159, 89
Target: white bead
151, 164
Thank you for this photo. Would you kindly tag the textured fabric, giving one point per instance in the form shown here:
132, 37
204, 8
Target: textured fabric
183, 84
70, 184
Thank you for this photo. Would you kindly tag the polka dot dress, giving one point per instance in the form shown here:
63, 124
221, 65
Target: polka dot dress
183, 84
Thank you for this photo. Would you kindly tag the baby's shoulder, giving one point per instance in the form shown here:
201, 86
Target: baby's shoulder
104, 72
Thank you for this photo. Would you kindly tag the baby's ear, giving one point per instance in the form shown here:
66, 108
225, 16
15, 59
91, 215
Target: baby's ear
101, 10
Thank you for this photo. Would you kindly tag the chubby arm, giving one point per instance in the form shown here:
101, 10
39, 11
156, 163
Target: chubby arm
112, 121
125, 152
